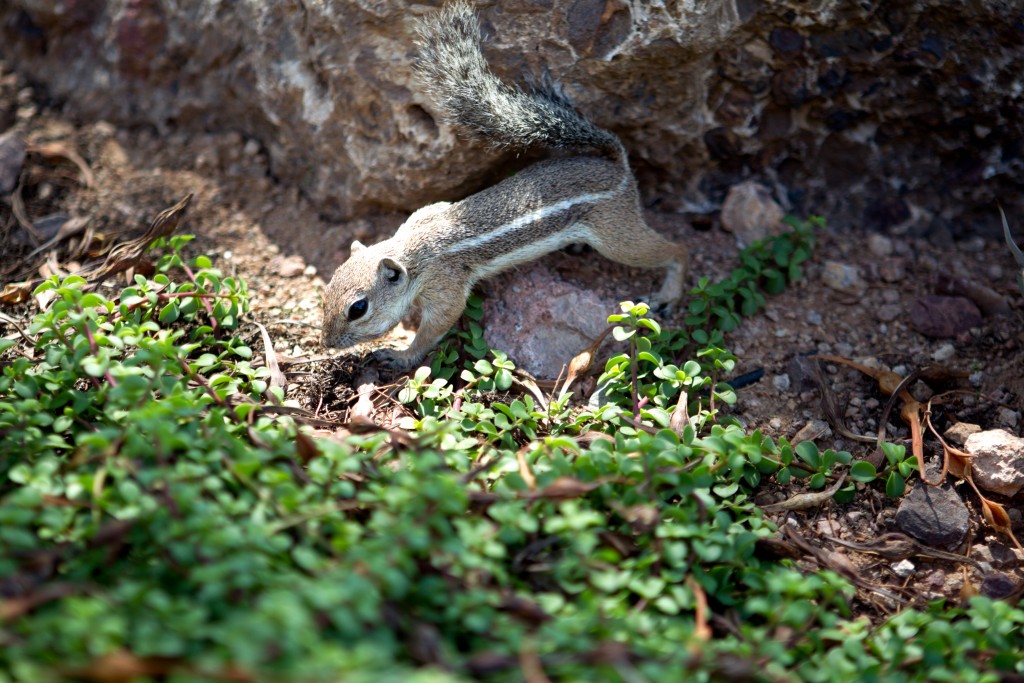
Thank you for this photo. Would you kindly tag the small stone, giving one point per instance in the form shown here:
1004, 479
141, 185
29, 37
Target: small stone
944, 316
800, 370
943, 353
310, 270
997, 586
12, 158
995, 554
972, 245
998, 463
843, 278
892, 270
781, 382
959, 432
886, 313
291, 266
854, 516
775, 423
880, 245
903, 568
1008, 417
935, 515
813, 318
976, 378
750, 213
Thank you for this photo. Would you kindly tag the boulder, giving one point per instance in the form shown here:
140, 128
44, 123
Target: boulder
888, 115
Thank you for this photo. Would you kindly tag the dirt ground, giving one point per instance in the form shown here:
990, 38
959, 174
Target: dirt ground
270, 236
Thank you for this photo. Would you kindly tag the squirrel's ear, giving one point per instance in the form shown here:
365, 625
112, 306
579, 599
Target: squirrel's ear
391, 270
356, 246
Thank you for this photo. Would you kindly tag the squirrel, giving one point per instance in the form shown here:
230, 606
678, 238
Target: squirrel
443, 249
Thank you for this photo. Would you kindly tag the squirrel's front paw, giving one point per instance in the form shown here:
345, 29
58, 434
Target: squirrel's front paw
393, 358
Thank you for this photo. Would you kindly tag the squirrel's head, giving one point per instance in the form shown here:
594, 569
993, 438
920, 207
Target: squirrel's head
367, 296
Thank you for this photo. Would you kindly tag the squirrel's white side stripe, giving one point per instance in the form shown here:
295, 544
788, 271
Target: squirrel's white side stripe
501, 231
577, 232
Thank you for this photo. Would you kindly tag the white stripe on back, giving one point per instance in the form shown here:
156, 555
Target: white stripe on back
526, 219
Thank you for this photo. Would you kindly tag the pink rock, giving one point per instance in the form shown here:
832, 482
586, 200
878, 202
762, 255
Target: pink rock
998, 463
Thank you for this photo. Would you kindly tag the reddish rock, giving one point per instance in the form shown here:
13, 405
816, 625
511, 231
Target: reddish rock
944, 316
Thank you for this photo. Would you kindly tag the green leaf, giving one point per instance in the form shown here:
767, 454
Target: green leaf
863, 471
895, 485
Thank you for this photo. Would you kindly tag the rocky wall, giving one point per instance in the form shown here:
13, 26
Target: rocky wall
899, 115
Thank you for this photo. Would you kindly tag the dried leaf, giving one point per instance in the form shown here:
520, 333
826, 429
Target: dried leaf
701, 629
57, 150
127, 254
306, 448
122, 666
524, 470
680, 417
806, 501
366, 385
1018, 255
15, 293
582, 362
565, 488
277, 378
12, 608
998, 519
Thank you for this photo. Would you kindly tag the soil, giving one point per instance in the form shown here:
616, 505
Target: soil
269, 235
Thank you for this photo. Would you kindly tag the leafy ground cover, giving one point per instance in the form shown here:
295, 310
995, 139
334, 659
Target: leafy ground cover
167, 514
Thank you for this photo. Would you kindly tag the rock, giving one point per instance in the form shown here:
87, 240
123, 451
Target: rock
750, 213
998, 463
1008, 416
541, 334
958, 433
843, 278
290, 266
944, 353
989, 301
995, 554
886, 313
997, 586
800, 370
944, 316
12, 158
903, 568
834, 97
781, 383
892, 270
933, 515
880, 245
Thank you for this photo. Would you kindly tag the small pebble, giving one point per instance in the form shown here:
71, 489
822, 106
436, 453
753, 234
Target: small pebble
944, 352
891, 296
813, 318
903, 568
1008, 417
781, 382
886, 313
972, 245
843, 277
880, 245
892, 270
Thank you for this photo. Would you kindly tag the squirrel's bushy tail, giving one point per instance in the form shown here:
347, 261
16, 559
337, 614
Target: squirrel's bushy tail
453, 70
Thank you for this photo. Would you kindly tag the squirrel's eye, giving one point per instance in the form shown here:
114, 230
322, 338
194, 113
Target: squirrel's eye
358, 309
